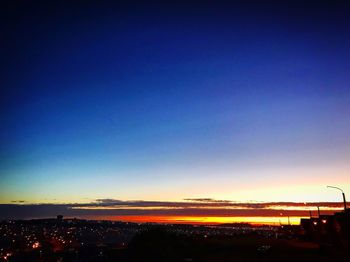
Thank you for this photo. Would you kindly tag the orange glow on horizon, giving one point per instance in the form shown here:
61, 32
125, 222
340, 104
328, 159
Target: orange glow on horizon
257, 220
210, 207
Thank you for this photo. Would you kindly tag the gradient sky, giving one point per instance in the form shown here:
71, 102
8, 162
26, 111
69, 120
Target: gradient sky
244, 102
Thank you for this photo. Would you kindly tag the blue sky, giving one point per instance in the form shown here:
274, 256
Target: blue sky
174, 101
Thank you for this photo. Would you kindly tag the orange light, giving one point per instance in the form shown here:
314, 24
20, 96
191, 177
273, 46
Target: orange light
36, 245
324, 221
7, 256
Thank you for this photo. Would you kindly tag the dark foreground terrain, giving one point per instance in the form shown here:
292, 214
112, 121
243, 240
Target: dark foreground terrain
162, 247
79, 240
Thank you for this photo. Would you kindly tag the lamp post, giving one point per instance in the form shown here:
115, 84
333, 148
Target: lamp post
344, 200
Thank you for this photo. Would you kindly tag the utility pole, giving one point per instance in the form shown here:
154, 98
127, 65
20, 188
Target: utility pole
344, 200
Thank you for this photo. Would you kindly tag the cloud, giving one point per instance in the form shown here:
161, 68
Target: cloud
107, 200
18, 209
207, 200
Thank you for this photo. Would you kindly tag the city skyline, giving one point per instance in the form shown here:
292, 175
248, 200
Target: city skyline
194, 211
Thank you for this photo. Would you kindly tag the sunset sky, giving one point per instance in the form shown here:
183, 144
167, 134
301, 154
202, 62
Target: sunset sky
242, 103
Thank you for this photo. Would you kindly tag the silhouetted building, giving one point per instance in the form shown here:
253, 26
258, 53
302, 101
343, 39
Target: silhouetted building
329, 229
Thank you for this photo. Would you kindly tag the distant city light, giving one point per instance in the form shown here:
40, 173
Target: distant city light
36, 245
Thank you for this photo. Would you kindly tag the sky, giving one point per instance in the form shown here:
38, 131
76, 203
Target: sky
149, 101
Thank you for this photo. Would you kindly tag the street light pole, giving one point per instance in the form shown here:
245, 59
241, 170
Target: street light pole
344, 200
